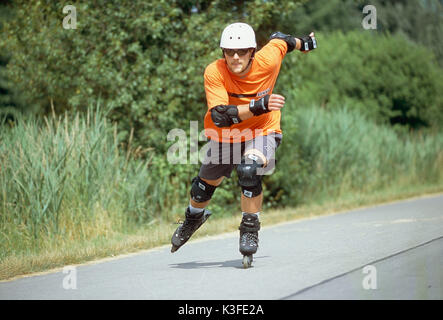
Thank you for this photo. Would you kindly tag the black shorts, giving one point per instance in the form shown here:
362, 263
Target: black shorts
221, 158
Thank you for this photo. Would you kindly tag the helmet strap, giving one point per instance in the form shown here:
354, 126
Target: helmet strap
251, 58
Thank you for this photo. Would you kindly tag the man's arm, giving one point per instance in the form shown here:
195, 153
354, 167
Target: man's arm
275, 102
304, 44
299, 43
228, 115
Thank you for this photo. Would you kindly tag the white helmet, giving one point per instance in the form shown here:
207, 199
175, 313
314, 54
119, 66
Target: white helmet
238, 36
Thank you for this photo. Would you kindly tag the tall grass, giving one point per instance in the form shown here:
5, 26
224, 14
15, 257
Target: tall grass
332, 153
66, 179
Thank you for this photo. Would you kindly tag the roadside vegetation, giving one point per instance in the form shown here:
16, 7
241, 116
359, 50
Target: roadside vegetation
85, 114
70, 193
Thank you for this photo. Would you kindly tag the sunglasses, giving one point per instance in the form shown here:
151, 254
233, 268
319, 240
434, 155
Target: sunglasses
232, 52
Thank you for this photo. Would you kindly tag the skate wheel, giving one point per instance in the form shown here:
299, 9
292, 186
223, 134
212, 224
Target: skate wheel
247, 261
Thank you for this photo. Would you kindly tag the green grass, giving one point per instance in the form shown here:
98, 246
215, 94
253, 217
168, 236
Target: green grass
158, 233
70, 193
66, 179
328, 154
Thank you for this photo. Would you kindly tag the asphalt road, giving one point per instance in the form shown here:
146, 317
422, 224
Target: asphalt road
392, 251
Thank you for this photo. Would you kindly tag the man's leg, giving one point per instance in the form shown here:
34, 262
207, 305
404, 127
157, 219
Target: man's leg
196, 214
204, 204
260, 150
258, 156
253, 204
203, 187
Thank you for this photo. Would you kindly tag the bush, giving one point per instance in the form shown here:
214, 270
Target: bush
386, 78
420, 21
327, 153
145, 59
61, 175
66, 179
9, 99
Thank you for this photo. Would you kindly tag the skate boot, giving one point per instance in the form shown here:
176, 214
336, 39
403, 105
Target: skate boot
249, 238
188, 227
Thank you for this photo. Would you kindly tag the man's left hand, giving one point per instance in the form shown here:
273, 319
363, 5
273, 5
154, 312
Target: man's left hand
276, 102
311, 35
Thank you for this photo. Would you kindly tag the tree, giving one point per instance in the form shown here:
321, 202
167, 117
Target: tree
143, 59
380, 75
419, 20
8, 98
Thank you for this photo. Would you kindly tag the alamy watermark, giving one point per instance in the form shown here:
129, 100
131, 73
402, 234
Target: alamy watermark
370, 20
70, 280
185, 149
370, 280
70, 21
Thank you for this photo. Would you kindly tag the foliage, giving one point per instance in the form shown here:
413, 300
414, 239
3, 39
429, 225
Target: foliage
66, 179
9, 100
326, 16
61, 176
327, 153
384, 77
91, 173
145, 59
421, 21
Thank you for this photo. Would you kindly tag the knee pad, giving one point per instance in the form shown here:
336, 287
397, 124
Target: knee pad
249, 180
201, 191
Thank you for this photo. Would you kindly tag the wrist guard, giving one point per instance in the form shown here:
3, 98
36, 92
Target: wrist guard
225, 116
260, 106
308, 43
290, 40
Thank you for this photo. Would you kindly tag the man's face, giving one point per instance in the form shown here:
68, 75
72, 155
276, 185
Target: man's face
237, 59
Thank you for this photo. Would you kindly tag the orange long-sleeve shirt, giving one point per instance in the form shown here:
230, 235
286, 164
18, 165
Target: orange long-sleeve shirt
222, 87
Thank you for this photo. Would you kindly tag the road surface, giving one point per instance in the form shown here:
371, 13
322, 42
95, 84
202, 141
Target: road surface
392, 251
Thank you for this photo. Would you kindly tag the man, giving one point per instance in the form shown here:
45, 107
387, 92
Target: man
243, 125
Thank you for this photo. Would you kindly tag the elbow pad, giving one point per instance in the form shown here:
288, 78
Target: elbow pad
290, 41
225, 116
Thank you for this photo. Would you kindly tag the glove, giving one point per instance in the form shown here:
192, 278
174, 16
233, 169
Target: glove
308, 43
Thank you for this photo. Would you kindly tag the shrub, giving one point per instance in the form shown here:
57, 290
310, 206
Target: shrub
331, 152
387, 78
145, 59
